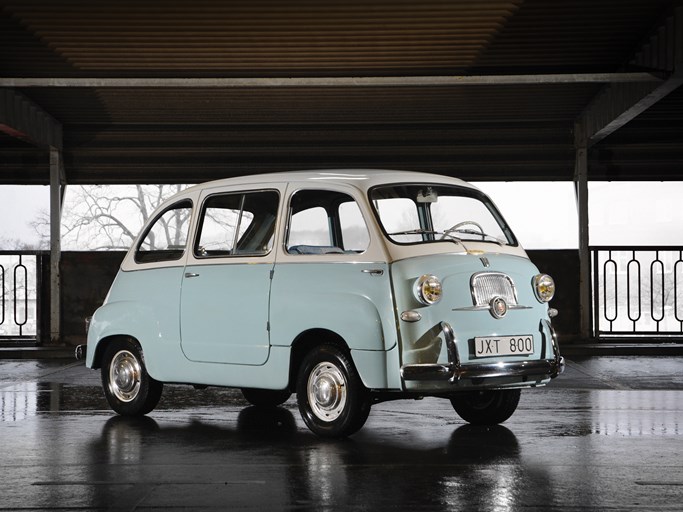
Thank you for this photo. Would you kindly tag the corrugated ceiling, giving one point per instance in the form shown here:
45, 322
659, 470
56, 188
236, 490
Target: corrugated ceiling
193, 134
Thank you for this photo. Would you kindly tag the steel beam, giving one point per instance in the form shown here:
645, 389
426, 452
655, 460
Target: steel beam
618, 103
365, 81
23, 119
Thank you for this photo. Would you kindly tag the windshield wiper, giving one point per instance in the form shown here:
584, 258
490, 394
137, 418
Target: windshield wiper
415, 232
444, 234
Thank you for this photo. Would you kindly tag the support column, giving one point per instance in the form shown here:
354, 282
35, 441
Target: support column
581, 186
56, 174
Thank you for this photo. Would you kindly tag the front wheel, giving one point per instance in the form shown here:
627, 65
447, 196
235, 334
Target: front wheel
332, 399
488, 407
127, 386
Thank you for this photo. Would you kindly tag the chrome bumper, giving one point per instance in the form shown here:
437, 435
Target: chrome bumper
454, 371
80, 352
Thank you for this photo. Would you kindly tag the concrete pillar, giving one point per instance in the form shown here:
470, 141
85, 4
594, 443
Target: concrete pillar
581, 186
56, 174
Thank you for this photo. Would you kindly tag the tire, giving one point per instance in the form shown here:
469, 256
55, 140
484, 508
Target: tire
127, 386
489, 407
266, 397
332, 399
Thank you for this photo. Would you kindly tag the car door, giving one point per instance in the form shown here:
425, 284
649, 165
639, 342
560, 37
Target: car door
331, 276
226, 283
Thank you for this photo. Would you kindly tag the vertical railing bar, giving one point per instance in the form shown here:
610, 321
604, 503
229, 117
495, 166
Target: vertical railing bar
635, 261
628, 289
16, 317
604, 290
616, 291
652, 290
596, 291
678, 262
2, 289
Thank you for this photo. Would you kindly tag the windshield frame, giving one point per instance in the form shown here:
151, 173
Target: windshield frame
426, 224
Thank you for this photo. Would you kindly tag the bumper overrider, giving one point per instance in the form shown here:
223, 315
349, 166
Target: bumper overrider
454, 371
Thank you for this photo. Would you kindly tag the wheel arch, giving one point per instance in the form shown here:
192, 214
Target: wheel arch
308, 340
104, 343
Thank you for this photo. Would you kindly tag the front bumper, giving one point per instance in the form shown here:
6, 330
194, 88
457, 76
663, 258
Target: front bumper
80, 352
454, 371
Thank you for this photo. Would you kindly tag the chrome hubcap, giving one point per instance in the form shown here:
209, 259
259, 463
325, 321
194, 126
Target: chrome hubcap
327, 391
124, 376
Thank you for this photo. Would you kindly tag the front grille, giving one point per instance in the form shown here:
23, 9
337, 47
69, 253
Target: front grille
487, 285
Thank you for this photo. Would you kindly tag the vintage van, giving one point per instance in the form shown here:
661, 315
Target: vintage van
347, 288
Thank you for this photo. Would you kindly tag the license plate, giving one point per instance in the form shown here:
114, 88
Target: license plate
491, 346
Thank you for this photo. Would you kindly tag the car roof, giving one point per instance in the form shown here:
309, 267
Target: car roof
362, 179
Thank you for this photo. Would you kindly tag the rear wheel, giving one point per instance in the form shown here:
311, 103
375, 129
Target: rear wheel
266, 397
127, 386
332, 399
488, 407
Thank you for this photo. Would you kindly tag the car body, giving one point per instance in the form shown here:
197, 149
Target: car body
346, 287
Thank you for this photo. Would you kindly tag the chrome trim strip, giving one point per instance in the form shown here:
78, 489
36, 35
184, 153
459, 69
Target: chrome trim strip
488, 307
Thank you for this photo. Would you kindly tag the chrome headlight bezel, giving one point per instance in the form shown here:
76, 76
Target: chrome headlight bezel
544, 287
428, 289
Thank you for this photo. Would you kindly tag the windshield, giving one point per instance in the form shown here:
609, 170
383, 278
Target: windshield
420, 213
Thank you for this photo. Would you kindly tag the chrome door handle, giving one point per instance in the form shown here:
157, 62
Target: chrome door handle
373, 271
191, 274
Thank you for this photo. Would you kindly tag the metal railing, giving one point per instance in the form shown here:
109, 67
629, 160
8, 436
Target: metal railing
638, 292
19, 293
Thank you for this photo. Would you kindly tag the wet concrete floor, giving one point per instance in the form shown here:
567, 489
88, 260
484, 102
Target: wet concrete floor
607, 435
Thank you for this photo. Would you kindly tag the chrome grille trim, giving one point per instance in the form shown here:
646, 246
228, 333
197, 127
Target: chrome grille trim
487, 285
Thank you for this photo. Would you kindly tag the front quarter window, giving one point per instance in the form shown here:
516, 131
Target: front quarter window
411, 214
166, 238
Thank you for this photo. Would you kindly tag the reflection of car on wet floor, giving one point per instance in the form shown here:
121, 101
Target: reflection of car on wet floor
347, 288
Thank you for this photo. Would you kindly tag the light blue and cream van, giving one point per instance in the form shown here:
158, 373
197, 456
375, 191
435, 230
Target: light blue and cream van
347, 288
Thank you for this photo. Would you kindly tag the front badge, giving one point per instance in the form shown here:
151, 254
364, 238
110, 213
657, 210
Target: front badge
498, 307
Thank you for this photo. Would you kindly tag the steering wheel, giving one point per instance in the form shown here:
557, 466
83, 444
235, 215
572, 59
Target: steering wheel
457, 227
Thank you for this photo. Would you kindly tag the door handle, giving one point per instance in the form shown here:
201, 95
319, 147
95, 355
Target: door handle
373, 271
191, 274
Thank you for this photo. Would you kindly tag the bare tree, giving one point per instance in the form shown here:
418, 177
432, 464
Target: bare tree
104, 217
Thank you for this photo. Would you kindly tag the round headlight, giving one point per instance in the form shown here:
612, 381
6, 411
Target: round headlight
544, 287
428, 289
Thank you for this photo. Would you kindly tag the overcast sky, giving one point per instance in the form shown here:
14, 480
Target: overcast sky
542, 215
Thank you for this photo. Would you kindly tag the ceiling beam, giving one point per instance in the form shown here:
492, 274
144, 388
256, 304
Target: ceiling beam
618, 103
23, 119
365, 81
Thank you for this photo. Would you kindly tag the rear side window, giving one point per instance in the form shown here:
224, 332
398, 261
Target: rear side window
166, 238
326, 222
237, 224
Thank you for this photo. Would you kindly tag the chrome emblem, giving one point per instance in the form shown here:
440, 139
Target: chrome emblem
485, 261
498, 307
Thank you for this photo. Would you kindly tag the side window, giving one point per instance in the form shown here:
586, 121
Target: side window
325, 222
166, 238
310, 227
240, 224
354, 231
